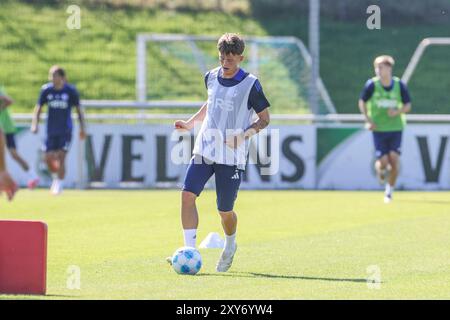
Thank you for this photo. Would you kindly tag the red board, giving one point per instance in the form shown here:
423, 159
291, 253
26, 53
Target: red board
23, 257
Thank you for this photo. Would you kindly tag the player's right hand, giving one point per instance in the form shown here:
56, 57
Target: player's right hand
34, 129
82, 134
370, 125
7, 185
181, 125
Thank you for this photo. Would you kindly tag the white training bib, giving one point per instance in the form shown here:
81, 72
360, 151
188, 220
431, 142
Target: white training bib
227, 115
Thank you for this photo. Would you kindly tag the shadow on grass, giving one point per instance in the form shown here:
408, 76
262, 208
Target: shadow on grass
424, 201
36, 297
61, 296
279, 276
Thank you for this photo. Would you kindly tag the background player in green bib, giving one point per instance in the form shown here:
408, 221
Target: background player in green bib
9, 129
7, 184
384, 102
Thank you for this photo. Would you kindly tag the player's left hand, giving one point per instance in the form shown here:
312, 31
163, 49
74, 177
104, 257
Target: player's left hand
34, 129
393, 112
234, 141
82, 134
7, 185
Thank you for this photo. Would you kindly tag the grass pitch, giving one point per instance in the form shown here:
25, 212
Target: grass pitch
292, 245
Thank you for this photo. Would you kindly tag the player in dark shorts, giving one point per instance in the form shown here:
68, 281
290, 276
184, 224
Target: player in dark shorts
384, 102
60, 98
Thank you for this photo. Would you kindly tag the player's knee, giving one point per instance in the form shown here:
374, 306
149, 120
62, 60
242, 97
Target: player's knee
188, 198
383, 162
13, 153
394, 165
227, 214
393, 160
50, 156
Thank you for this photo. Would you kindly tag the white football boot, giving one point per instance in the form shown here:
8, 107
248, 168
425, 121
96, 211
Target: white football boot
57, 187
388, 198
53, 186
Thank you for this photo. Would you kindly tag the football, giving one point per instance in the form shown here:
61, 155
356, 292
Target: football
186, 260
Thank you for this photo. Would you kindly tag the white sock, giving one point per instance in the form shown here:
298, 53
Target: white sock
230, 241
56, 183
61, 183
190, 237
389, 189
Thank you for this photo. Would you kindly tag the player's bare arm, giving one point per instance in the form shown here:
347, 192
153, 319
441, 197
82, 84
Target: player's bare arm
2, 152
35, 120
363, 108
261, 123
82, 122
396, 112
189, 124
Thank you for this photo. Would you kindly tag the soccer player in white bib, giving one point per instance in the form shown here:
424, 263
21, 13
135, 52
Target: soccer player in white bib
221, 146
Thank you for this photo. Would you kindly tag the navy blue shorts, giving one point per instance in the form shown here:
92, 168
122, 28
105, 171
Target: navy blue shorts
385, 142
58, 142
228, 180
10, 141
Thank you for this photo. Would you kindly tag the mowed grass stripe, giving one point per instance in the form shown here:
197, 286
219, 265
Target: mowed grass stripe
292, 244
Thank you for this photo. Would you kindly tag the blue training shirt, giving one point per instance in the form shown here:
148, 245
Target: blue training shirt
256, 100
60, 103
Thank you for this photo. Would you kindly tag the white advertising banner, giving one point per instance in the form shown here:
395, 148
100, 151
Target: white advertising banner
156, 156
425, 160
287, 157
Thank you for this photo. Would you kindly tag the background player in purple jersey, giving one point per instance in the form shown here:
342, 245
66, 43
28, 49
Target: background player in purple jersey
60, 97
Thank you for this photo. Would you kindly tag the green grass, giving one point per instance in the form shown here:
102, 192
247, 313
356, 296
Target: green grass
99, 58
292, 245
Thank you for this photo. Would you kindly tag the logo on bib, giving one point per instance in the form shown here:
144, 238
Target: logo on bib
387, 103
223, 104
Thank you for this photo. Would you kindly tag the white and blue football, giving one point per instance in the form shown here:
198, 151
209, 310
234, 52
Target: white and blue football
187, 260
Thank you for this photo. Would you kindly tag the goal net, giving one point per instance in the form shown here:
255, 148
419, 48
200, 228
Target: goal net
428, 76
171, 68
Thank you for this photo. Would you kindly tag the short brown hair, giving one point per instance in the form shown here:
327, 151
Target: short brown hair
384, 59
57, 69
231, 43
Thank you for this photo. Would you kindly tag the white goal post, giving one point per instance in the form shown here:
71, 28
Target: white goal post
424, 44
142, 70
